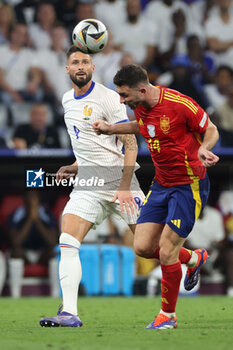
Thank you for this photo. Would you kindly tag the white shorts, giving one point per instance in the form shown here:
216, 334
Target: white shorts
95, 206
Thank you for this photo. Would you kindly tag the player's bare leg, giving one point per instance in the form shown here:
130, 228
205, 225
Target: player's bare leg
132, 228
75, 226
170, 244
153, 232
74, 229
148, 237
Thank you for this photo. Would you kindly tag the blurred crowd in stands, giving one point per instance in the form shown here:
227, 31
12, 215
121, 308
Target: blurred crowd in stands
185, 45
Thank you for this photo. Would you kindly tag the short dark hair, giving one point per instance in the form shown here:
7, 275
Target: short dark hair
131, 75
16, 24
73, 49
226, 68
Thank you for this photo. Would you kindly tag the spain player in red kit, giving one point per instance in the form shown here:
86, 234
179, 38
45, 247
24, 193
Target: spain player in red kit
172, 125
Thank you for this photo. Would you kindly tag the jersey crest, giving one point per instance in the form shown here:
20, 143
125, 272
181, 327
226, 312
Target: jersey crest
87, 112
165, 124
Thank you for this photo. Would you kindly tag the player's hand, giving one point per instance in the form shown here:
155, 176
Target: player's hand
126, 200
66, 172
101, 127
207, 158
34, 213
33, 208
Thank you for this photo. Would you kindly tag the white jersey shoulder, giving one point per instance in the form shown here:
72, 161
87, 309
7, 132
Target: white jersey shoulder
98, 95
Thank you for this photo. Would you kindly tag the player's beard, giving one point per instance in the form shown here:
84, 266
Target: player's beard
133, 105
81, 81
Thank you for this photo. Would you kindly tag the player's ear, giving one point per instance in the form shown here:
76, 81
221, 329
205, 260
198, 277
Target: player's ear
67, 69
142, 90
93, 68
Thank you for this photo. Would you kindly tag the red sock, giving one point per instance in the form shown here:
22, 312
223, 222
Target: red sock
184, 255
170, 285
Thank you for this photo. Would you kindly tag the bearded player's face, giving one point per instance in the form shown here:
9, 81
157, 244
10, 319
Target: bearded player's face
129, 96
80, 68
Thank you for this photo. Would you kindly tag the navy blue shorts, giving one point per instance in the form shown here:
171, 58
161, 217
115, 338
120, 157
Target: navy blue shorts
177, 206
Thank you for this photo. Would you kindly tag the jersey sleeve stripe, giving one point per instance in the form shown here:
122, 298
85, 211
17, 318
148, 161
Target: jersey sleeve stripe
184, 103
122, 121
161, 97
185, 100
195, 188
179, 98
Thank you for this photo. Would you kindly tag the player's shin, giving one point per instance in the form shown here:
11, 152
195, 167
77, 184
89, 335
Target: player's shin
170, 285
70, 272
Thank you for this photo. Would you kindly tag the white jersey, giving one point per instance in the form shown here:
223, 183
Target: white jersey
102, 152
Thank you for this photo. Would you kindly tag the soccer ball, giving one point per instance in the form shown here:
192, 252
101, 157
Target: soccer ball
90, 36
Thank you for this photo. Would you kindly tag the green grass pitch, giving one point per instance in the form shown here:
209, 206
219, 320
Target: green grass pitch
118, 323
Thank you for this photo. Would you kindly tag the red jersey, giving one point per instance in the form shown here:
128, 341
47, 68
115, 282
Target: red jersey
172, 131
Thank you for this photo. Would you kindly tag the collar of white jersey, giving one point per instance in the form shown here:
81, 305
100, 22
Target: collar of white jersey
87, 93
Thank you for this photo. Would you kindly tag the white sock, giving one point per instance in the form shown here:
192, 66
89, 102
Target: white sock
53, 277
70, 272
16, 269
193, 261
168, 314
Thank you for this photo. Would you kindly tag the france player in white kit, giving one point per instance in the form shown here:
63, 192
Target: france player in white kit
99, 157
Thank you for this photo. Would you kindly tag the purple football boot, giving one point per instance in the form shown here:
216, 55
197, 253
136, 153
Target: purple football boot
63, 319
163, 322
192, 275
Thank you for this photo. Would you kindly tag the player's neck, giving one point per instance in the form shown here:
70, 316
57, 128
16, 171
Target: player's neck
79, 91
153, 95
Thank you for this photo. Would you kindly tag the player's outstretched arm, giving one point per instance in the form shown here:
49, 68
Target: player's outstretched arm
210, 139
67, 171
102, 127
123, 194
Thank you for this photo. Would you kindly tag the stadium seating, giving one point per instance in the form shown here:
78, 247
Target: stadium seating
8, 205
20, 113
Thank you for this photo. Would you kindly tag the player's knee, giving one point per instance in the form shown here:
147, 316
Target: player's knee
142, 250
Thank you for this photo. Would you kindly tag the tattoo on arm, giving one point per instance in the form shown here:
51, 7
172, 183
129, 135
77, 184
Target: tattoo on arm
129, 142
